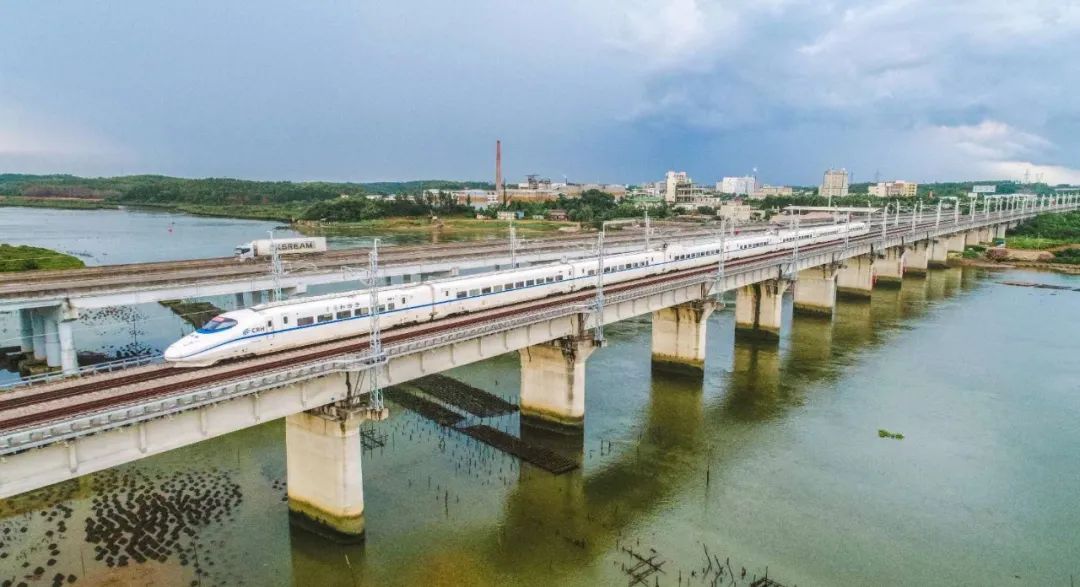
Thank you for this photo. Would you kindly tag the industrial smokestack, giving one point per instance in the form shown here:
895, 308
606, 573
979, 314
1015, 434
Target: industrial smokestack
498, 169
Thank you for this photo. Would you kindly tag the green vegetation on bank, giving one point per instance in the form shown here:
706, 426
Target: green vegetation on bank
1046, 231
26, 258
1069, 256
274, 200
1062, 227
591, 207
63, 203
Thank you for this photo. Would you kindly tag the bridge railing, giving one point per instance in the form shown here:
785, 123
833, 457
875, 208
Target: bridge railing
96, 368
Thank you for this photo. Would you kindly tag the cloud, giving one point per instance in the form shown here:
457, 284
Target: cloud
990, 140
32, 143
614, 89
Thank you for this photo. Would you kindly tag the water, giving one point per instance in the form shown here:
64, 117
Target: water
773, 460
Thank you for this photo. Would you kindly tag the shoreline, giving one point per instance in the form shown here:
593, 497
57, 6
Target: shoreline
390, 225
983, 263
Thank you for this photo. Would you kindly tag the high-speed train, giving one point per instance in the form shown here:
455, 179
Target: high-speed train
277, 326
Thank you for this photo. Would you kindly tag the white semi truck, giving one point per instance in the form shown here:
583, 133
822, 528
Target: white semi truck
285, 246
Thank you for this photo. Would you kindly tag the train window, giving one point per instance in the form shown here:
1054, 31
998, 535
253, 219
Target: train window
390, 306
217, 324
530, 283
325, 317
508, 286
344, 314
498, 288
592, 271
474, 292
519, 285
362, 312
462, 294
558, 277
306, 320
485, 290
269, 323
285, 319
382, 308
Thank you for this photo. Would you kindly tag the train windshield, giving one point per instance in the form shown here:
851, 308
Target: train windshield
218, 324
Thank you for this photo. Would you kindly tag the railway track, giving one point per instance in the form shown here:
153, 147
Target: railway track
121, 275
245, 367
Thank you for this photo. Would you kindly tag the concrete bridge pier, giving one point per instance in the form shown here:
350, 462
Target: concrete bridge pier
37, 321
553, 384
815, 291
890, 266
999, 230
66, 315
758, 308
938, 253
26, 331
325, 478
678, 337
917, 258
52, 340
856, 277
972, 237
956, 243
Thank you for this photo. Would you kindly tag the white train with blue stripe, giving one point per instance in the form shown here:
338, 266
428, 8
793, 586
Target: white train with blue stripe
278, 326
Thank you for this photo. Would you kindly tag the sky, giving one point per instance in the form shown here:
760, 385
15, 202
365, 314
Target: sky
593, 90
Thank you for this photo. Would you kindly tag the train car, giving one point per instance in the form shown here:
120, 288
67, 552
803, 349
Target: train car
279, 326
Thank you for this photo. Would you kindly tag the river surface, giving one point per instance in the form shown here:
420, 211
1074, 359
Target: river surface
772, 461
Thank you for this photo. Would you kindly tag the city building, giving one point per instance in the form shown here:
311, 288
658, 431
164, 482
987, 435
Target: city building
478, 199
739, 186
672, 182
736, 211
894, 189
834, 184
766, 191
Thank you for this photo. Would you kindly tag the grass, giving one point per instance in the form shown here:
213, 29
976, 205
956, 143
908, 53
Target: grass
883, 433
56, 203
26, 258
1036, 243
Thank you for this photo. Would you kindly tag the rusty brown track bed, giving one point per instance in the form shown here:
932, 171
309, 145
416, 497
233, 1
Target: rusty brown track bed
118, 400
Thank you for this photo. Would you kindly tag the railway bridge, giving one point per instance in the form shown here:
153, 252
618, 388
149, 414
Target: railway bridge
68, 428
49, 303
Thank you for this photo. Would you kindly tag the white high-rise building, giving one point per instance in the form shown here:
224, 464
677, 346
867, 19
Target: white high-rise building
834, 184
740, 186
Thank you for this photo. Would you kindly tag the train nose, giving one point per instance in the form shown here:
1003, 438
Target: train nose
173, 352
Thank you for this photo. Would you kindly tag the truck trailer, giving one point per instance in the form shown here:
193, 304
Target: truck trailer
285, 246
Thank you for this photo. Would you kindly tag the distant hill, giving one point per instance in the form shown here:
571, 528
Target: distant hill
160, 189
